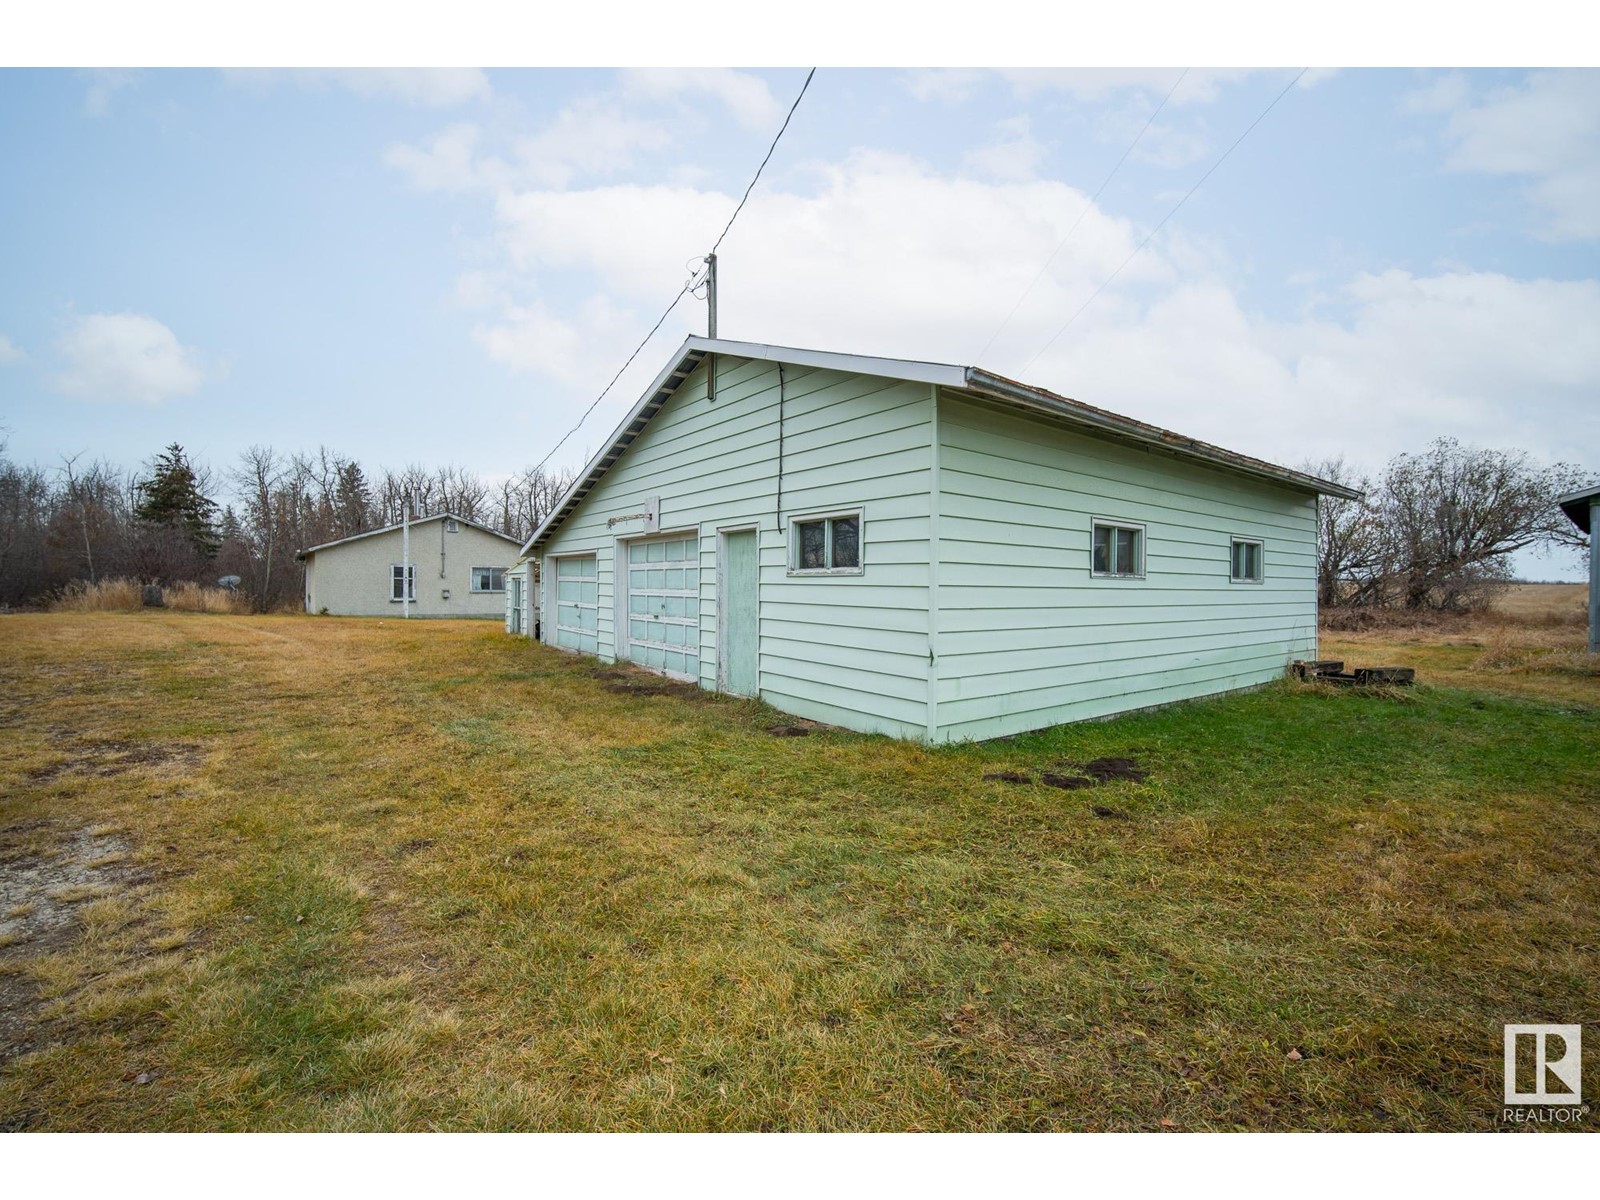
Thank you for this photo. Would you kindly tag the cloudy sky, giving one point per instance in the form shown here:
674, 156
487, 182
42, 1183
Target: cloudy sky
448, 266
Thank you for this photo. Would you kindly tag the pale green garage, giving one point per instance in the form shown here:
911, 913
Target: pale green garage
923, 550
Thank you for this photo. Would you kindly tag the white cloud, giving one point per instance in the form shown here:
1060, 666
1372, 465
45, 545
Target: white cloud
1546, 130
104, 84
422, 87
447, 163
126, 357
588, 139
1015, 154
591, 137
747, 97
1479, 356
1199, 85
887, 256
10, 352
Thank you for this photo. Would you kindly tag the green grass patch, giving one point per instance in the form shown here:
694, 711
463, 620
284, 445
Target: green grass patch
453, 881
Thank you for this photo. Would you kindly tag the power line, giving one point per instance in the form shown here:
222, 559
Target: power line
764, 161
1054, 254
683, 291
1164, 220
693, 283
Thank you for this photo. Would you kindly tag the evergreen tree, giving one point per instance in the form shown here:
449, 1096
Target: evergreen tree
352, 500
171, 499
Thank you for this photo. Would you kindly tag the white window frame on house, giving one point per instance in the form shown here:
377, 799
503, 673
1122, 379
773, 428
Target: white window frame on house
1139, 549
1233, 560
491, 587
394, 581
828, 517
450, 525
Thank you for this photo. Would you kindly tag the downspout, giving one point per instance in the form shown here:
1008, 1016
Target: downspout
778, 516
933, 567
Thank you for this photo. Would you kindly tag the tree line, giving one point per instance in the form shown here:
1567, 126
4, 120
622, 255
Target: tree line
1435, 531
174, 520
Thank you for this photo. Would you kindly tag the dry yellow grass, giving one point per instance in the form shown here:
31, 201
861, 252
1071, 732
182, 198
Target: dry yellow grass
359, 875
1533, 643
1560, 603
127, 595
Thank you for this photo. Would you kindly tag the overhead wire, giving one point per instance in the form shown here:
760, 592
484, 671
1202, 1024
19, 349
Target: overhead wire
1061, 245
1185, 199
692, 285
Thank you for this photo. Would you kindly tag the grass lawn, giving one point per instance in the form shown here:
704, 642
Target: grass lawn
291, 873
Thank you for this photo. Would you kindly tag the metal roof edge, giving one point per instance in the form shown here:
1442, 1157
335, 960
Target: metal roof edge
1576, 505
299, 555
912, 370
987, 383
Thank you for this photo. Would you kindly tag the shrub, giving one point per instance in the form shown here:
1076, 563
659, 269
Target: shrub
127, 595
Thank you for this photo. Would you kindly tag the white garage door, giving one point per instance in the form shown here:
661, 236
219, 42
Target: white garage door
577, 603
664, 605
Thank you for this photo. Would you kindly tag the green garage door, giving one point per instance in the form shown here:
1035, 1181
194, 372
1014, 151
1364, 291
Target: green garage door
577, 604
664, 605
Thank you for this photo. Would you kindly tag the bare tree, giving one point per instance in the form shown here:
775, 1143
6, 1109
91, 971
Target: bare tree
1452, 516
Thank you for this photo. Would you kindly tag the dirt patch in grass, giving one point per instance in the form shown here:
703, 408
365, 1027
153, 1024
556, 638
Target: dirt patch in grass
44, 877
1070, 783
113, 756
1007, 777
1104, 770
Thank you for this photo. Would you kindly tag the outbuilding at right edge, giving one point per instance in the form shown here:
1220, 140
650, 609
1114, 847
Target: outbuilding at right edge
1583, 509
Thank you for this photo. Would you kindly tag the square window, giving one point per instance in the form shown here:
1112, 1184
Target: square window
1117, 551
1247, 564
826, 545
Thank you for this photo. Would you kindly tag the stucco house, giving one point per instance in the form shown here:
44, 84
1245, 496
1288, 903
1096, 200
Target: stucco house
456, 569
923, 550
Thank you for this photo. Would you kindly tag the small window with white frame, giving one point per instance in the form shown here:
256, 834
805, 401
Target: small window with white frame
826, 544
396, 574
1116, 550
1247, 565
488, 579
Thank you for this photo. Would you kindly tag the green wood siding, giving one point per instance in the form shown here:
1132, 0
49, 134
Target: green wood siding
849, 649
1027, 637
975, 614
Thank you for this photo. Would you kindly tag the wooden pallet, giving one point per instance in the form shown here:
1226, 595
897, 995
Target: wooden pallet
1332, 671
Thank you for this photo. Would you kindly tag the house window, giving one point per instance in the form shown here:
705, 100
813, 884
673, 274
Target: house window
488, 579
826, 544
1247, 567
450, 526
396, 573
1118, 551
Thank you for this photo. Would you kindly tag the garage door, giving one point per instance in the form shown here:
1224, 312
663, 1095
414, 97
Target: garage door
577, 604
664, 605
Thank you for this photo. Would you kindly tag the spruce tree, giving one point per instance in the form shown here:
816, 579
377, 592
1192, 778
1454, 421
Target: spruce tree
171, 498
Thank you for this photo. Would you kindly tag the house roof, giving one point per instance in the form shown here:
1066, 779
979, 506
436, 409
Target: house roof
1576, 506
971, 381
356, 537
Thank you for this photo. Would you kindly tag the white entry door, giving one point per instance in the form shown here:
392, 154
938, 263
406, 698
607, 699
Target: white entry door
664, 604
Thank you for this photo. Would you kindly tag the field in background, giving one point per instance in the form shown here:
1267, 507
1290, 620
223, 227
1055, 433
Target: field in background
291, 873
1533, 643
